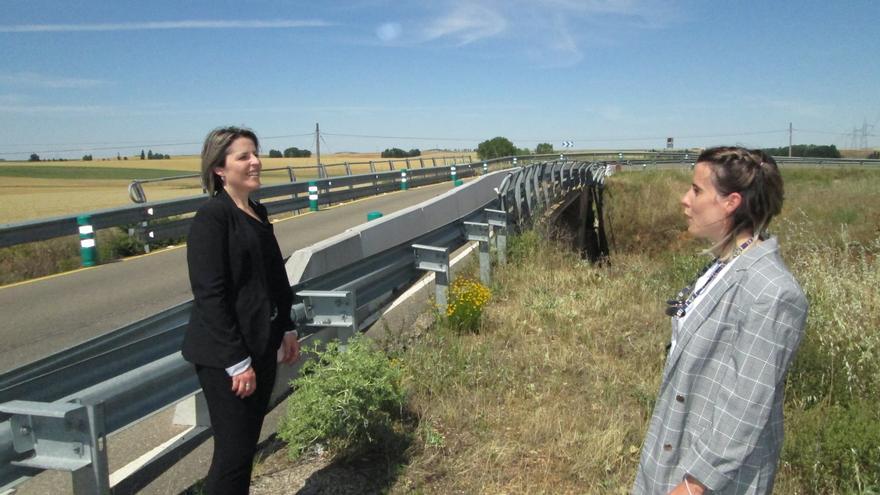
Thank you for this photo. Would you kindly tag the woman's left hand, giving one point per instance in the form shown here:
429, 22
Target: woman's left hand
290, 348
688, 487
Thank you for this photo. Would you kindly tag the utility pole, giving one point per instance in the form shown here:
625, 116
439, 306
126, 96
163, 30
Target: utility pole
318, 144
789, 139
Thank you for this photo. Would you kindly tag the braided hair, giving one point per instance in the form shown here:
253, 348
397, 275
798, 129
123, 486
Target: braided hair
755, 176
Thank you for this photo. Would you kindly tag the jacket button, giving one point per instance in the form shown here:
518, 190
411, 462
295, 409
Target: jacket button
667, 447
679, 398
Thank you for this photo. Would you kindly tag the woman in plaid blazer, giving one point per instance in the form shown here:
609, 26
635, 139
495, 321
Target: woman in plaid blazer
717, 422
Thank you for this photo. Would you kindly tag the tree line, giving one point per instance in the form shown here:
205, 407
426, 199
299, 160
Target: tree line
806, 150
292, 152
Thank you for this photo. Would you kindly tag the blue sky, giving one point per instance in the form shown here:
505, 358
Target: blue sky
79, 76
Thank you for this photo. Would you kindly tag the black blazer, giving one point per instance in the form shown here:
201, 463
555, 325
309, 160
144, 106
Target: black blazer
238, 280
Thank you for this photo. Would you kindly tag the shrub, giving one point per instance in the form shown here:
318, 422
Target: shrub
467, 297
344, 399
836, 448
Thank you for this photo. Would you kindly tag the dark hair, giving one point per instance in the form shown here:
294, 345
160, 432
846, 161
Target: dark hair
214, 153
755, 176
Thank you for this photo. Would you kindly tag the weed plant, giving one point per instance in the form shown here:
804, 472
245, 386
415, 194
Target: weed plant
467, 298
554, 394
345, 401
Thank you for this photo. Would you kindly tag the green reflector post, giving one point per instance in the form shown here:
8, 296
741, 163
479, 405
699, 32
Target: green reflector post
87, 249
313, 196
374, 215
403, 180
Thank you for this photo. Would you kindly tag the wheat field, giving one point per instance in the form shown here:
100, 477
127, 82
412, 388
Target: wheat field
28, 198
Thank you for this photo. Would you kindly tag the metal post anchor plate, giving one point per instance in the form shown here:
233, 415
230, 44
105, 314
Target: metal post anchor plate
331, 309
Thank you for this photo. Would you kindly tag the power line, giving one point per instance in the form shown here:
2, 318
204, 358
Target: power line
135, 145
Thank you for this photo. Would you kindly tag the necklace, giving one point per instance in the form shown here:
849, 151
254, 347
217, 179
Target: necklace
677, 307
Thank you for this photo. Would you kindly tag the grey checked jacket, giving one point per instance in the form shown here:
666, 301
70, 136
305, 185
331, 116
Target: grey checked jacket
718, 416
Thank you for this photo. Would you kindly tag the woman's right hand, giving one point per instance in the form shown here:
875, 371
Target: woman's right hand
244, 383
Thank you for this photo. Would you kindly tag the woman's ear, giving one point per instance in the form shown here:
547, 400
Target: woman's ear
732, 202
220, 171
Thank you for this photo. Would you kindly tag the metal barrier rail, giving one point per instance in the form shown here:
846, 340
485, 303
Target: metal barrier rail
151, 218
843, 162
146, 215
57, 412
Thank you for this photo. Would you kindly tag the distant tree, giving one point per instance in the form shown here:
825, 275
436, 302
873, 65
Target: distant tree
118, 157
34, 157
544, 149
399, 153
275, 154
143, 156
874, 156
496, 147
150, 155
87, 158
167, 157
806, 150
295, 152
125, 158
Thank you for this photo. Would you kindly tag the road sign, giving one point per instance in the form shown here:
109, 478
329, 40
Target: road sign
568, 144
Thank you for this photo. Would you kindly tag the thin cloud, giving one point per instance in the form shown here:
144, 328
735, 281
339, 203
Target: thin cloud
38, 80
467, 23
145, 26
54, 109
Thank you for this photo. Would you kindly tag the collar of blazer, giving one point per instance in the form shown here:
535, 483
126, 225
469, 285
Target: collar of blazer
711, 299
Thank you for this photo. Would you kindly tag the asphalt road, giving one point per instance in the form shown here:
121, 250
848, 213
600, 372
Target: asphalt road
47, 315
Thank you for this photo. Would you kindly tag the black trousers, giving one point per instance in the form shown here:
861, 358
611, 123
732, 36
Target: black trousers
237, 423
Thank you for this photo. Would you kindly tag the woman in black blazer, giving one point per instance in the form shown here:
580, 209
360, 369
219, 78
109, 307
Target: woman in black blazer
241, 305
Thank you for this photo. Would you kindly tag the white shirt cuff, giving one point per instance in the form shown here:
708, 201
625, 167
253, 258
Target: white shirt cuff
239, 368
294, 332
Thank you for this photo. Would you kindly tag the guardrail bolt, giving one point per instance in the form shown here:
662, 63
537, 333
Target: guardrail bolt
403, 183
313, 196
87, 248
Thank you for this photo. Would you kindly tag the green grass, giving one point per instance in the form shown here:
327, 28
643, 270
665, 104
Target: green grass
85, 173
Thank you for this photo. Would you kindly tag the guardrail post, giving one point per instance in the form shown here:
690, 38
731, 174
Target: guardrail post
292, 175
313, 196
347, 168
480, 232
331, 308
63, 436
498, 218
87, 248
403, 183
391, 165
435, 259
434, 162
372, 167
421, 163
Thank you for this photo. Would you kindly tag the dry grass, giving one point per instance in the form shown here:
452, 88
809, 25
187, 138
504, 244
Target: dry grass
553, 395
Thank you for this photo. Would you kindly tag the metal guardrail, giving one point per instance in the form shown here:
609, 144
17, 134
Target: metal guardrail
56, 413
841, 162
157, 221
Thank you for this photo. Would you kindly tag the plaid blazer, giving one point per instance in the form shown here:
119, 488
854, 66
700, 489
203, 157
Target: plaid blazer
718, 415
